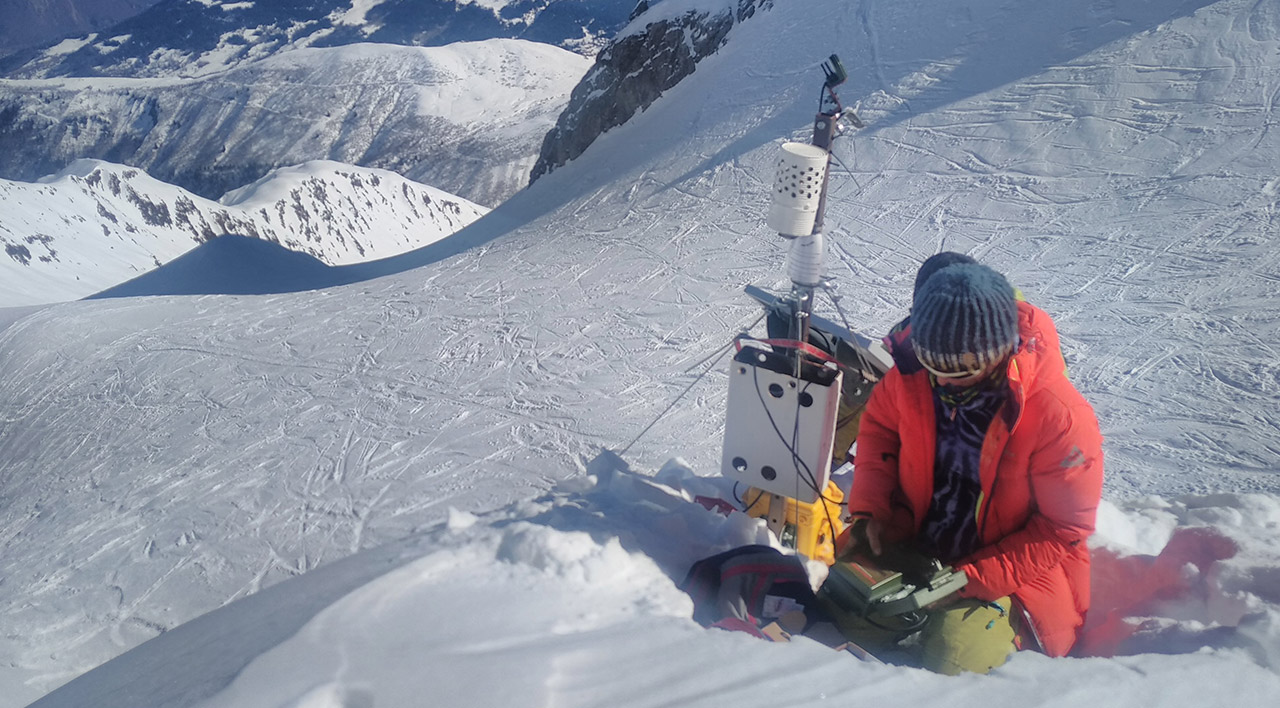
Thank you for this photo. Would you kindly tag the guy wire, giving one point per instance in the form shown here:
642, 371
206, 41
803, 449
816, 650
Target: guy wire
716, 356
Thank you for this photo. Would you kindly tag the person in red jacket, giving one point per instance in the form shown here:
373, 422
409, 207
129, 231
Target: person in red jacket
977, 450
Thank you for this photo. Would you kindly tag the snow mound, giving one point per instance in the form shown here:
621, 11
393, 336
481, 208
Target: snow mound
572, 599
1212, 582
231, 265
554, 593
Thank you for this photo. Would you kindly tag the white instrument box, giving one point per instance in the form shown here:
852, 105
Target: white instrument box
780, 428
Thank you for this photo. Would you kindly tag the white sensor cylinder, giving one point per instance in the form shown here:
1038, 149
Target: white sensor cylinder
797, 189
804, 260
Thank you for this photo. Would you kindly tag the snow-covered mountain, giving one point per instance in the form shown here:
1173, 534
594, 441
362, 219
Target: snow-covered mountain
97, 224
200, 37
467, 118
31, 23
287, 463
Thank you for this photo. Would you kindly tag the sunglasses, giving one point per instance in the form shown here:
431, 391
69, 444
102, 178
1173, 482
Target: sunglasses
944, 375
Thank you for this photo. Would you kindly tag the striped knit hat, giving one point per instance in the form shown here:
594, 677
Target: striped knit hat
964, 317
935, 263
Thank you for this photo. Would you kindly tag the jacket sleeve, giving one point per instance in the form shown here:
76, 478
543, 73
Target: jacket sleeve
875, 464
1066, 486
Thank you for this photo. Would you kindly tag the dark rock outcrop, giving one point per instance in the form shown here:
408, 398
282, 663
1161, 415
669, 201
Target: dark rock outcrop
633, 71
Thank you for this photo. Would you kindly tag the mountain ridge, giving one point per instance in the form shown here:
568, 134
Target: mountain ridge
168, 455
190, 38
32, 23
418, 111
96, 225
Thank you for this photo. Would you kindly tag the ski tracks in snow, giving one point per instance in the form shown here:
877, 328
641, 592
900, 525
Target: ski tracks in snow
1131, 215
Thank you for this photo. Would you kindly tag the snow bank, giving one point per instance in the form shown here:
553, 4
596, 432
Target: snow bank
482, 618
1174, 576
557, 601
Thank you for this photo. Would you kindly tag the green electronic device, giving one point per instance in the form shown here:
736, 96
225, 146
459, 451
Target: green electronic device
858, 586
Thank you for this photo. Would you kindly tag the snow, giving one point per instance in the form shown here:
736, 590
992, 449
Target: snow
359, 104
669, 9
71, 45
569, 600
588, 45
595, 611
472, 79
381, 493
357, 14
497, 6
112, 44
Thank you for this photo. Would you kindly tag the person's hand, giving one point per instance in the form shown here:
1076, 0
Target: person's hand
862, 535
874, 531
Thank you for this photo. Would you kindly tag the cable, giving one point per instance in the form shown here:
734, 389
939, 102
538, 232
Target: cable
795, 456
716, 355
915, 621
848, 171
675, 401
745, 505
809, 477
865, 365
806, 474
730, 344
795, 441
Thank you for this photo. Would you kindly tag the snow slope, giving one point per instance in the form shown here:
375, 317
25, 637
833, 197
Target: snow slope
163, 457
570, 600
97, 224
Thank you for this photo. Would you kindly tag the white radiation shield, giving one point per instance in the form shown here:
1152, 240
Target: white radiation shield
797, 189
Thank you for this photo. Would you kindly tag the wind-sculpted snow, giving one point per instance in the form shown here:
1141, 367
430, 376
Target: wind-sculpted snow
232, 265
97, 224
467, 119
162, 457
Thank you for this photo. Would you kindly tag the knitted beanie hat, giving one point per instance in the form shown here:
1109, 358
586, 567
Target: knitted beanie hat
937, 262
964, 318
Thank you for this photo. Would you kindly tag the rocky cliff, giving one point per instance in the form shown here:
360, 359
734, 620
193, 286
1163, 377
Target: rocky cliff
653, 53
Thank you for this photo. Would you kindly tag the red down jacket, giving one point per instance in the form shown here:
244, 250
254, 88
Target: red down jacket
1041, 473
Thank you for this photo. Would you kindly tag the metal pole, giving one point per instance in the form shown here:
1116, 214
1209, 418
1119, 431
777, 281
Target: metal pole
824, 132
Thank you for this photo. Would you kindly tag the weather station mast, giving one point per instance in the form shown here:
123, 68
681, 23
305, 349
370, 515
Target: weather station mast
785, 392
800, 196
